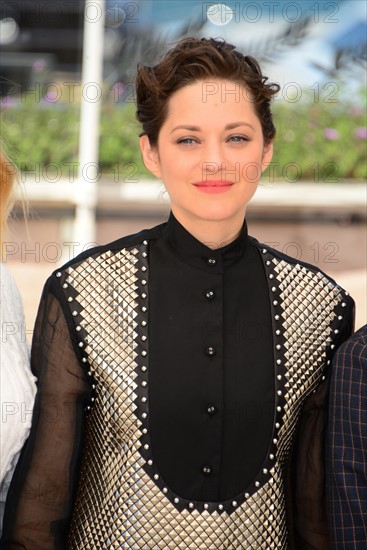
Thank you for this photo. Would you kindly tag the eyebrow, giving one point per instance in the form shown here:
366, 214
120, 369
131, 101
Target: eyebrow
230, 126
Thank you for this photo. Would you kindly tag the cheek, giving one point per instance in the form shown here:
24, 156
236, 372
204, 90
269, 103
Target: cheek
251, 167
251, 172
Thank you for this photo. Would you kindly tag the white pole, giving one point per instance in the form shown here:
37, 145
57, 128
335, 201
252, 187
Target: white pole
92, 75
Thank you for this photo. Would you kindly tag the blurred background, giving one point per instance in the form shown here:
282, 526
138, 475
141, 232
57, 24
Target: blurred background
83, 178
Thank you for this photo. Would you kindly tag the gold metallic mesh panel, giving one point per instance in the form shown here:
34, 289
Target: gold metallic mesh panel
308, 301
118, 504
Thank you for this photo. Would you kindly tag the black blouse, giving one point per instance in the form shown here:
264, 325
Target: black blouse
211, 364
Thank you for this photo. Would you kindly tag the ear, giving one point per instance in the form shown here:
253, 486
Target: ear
150, 156
267, 156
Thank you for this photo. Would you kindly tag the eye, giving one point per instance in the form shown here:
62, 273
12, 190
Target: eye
238, 139
186, 141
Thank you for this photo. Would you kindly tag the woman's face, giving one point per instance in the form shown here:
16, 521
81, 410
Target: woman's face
210, 152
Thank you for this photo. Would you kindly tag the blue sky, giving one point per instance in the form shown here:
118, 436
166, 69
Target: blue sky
251, 24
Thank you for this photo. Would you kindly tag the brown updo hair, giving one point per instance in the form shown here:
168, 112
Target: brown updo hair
194, 59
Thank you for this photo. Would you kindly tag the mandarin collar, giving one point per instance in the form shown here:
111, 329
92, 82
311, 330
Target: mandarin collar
197, 254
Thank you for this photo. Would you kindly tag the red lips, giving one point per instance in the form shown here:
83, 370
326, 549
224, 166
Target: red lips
213, 186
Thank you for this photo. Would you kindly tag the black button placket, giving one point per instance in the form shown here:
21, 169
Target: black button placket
212, 405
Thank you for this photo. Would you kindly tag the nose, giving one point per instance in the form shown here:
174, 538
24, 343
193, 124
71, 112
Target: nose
213, 159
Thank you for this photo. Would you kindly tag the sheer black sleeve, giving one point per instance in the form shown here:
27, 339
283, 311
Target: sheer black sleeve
40, 497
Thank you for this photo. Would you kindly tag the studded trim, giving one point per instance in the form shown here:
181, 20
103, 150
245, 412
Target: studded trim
109, 300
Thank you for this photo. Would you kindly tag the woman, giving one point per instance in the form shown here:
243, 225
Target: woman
173, 364
17, 384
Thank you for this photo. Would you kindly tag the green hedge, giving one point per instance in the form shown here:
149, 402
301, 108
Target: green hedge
321, 141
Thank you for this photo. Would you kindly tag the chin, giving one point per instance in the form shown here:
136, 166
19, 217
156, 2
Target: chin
219, 213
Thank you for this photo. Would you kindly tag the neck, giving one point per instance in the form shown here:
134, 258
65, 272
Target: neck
212, 233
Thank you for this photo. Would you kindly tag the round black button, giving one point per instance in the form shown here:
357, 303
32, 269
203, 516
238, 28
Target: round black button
210, 351
211, 409
206, 470
212, 261
210, 294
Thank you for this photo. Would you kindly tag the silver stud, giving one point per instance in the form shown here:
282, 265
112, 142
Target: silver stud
93, 386
165, 490
145, 242
277, 425
144, 383
275, 441
277, 332
206, 506
275, 302
144, 254
271, 456
323, 377
271, 276
143, 399
176, 500
146, 446
84, 360
78, 328
279, 408
143, 295
144, 353
247, 495
150, 462
347, 293
336, 331
279, 392
70, 299
268, 262
144, 431
65, 285
279, 361
264, 251
279, 376
234, 503
220, 506
340, 317
143, 282
144, 415
332, 346
143, 323
88, 408
144, 368
191, 504
257, 484
58, 274
81, 344
144, 338
278, 346
343, 304
273, 288
92, 399
156, 476
144, 268
144, 309
277, 317
75, 313
89, 373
